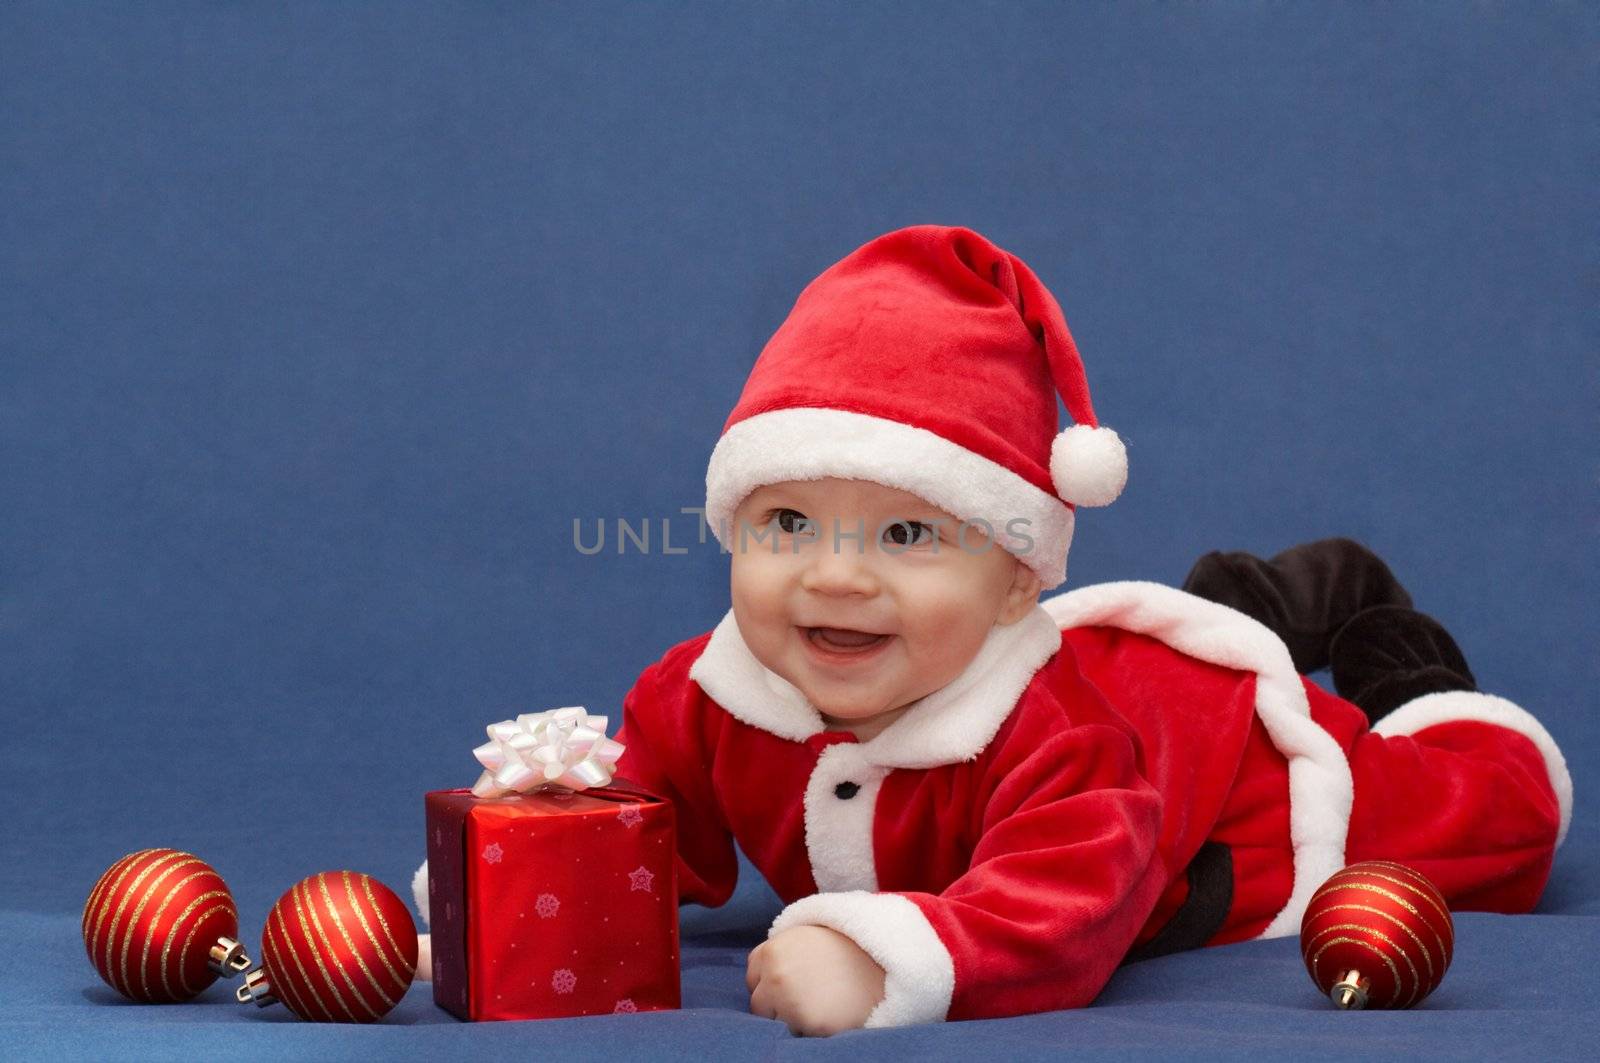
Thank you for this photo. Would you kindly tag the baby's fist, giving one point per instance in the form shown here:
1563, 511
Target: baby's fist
814, 979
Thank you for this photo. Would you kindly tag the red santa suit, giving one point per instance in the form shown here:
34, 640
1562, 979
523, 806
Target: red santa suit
1000, 848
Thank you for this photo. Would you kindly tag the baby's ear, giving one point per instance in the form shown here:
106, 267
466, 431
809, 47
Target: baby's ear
1023, 594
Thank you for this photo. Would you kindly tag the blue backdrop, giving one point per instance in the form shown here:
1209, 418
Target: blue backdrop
321, 325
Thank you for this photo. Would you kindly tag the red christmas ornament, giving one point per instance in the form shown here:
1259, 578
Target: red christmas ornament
1377, 935
159, 926
338, 947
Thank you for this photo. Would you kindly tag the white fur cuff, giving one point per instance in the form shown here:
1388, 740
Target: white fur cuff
920, 976
419, 892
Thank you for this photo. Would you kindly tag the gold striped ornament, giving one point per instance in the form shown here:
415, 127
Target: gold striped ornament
1377, 935
159, 927
338, 946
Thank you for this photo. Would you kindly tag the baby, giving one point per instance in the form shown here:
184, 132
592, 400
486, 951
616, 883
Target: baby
975, 803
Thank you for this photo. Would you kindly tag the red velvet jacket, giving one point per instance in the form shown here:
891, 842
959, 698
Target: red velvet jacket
999, 848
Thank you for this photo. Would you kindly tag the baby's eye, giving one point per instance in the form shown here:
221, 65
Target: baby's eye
792, 521
909, 533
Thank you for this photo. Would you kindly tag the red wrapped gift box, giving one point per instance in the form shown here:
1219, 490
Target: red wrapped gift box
553, 903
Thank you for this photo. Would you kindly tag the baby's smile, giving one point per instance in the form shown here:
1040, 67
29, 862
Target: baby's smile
844, 646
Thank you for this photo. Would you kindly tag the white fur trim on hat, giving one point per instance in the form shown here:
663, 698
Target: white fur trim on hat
812, 443
1448, 706
1089, 466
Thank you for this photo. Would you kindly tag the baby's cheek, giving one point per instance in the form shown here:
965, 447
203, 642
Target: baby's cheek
944, 641
936, 655
757, 586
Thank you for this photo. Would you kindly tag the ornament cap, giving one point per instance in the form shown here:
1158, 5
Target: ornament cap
228, 958
256, 989
1350, 991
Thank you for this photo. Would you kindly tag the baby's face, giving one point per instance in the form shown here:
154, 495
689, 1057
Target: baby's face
817, 555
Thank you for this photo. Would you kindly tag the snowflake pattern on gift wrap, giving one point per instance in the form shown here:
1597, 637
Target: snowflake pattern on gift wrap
547, 905
563, 981
625, 1006
630, 815
492, 853
640, 878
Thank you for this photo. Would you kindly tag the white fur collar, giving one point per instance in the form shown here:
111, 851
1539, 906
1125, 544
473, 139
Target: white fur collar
952, 724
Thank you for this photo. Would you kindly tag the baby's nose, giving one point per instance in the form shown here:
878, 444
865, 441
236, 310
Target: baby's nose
839, 568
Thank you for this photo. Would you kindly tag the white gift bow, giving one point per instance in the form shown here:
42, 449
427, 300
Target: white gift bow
566, 747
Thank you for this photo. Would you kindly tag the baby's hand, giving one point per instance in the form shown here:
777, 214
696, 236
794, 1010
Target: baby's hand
424, 958
814, 979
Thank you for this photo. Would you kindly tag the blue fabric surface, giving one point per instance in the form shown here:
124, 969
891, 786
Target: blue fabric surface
1520, 987
320, 326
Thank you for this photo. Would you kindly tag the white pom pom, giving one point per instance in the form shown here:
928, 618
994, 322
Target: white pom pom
419, 891
1089, 466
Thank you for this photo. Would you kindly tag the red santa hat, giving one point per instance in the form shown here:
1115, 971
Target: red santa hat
927, 360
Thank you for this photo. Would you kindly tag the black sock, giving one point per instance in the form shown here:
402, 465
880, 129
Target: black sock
1388, 655
1304, 594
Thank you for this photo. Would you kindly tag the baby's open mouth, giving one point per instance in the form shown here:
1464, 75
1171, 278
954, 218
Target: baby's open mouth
843, 640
